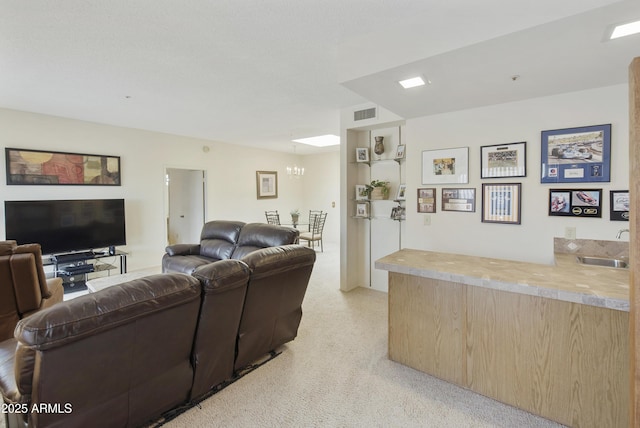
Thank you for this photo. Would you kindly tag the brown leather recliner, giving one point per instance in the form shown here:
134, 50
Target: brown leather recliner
273, 306
119, 357
24, 287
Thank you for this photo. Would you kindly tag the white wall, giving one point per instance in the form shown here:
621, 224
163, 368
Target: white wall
230, 169
464, 233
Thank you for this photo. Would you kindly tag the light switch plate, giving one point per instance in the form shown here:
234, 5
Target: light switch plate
570, 233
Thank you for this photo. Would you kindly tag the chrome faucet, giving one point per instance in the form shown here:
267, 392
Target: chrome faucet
620, 232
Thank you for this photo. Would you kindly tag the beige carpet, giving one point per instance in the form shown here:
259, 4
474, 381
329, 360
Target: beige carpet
336, 374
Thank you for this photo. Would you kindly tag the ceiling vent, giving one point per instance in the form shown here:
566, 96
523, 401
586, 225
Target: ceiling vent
369, 113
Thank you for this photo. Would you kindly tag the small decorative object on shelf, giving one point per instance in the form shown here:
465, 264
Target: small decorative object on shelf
362, 210
379, 146
400, 151
398, 213
362, 193
378, 189
362, 154
295, 215
401, 196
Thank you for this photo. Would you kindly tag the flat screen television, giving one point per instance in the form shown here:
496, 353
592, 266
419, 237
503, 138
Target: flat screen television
64, 226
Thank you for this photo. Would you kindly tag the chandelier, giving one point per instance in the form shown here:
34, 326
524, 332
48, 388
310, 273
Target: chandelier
295, 170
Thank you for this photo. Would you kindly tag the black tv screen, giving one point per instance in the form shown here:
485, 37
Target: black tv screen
66, 225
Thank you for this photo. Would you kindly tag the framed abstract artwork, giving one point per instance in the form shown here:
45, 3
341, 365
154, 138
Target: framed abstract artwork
37, 167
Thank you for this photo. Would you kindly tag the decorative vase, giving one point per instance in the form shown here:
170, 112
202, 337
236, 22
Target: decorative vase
294, 219
378, 193
379, 147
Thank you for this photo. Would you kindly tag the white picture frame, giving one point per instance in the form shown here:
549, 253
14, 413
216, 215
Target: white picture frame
362, 194
401, 195
362, 210
362, 154
445, 166
400, 150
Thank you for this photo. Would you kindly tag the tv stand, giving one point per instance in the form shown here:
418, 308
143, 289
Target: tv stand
75, 268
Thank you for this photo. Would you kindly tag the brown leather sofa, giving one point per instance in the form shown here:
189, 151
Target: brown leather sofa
223, 239
127, 354
24, 288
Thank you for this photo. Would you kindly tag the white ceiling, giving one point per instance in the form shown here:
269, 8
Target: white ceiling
262, 72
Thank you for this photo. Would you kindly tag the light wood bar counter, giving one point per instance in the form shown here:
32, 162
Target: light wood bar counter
549, 339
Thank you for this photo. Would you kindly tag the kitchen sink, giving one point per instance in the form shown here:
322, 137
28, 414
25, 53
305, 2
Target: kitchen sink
603, 261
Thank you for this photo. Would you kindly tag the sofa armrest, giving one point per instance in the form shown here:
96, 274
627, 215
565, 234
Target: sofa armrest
183, 249
56, 293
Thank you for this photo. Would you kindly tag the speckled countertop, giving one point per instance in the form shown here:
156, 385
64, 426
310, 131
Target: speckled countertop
567, 280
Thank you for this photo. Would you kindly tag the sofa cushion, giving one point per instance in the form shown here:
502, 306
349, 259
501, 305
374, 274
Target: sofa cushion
218, 238
255, 236
184, 264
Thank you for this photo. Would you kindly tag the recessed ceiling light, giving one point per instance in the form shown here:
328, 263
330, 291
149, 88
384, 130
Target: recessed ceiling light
412, 83
320, 141
625, 30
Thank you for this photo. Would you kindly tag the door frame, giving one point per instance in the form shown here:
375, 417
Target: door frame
166, 195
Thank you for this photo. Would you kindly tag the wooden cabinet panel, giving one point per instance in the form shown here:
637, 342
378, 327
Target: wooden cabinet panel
565, 361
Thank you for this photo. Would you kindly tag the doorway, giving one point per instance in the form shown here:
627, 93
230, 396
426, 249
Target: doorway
185, 211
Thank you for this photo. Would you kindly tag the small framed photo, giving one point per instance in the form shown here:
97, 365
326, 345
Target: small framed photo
362, 210
362, 154
575, 203
459, 199
576, 155
503, 160
501, 203
619, 201
427, 200
445, 166
398, 213
401, 195
267, 184
400, 151
361, 192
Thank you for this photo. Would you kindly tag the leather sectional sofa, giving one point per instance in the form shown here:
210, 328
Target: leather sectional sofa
222, 239
127, 354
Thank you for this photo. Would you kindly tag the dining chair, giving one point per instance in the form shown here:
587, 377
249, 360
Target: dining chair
315, 231
272, 217
312, 218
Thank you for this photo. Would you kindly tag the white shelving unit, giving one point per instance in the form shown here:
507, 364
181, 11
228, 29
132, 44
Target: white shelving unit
380, 233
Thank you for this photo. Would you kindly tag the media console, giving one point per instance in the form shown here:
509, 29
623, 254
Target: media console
74, 268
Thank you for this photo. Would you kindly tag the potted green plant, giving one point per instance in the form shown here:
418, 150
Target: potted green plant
378, 189
295, 215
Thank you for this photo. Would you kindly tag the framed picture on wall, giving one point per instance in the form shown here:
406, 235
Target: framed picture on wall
619, 205
37, 167
575, 202
267, 184
501, 203
445, 166
576, 155
459, 200
400, 151
503, 160
427, 200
